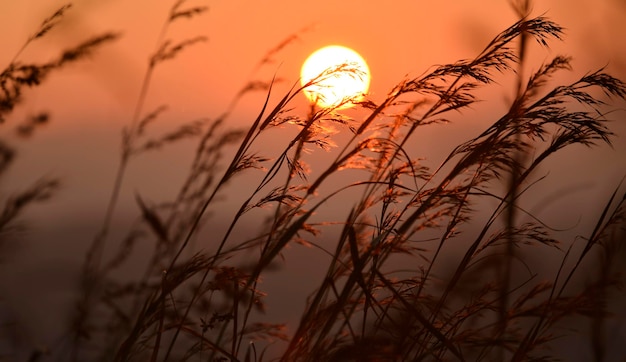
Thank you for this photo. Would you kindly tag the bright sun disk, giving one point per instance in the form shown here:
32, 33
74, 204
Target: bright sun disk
346, 77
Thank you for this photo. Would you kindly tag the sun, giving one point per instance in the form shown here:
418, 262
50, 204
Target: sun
339, 76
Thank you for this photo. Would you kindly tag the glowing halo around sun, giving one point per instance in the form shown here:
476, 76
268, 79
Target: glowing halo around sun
340, 77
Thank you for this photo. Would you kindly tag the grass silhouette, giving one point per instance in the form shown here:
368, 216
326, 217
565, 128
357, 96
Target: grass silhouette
386, 295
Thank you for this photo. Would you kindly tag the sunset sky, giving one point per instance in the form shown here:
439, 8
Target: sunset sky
91, 101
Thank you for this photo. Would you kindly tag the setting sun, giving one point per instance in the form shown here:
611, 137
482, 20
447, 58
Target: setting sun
340, 75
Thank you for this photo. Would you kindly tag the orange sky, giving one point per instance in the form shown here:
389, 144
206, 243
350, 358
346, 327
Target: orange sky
91, 101
405, 38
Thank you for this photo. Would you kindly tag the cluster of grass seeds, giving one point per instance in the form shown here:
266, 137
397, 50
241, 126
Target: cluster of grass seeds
19, 75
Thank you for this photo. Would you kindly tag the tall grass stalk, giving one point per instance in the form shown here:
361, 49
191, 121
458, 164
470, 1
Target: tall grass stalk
92, 274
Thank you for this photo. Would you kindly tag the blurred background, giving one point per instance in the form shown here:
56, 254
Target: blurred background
90, 102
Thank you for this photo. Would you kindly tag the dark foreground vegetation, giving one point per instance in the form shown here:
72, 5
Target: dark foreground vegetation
388, 293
